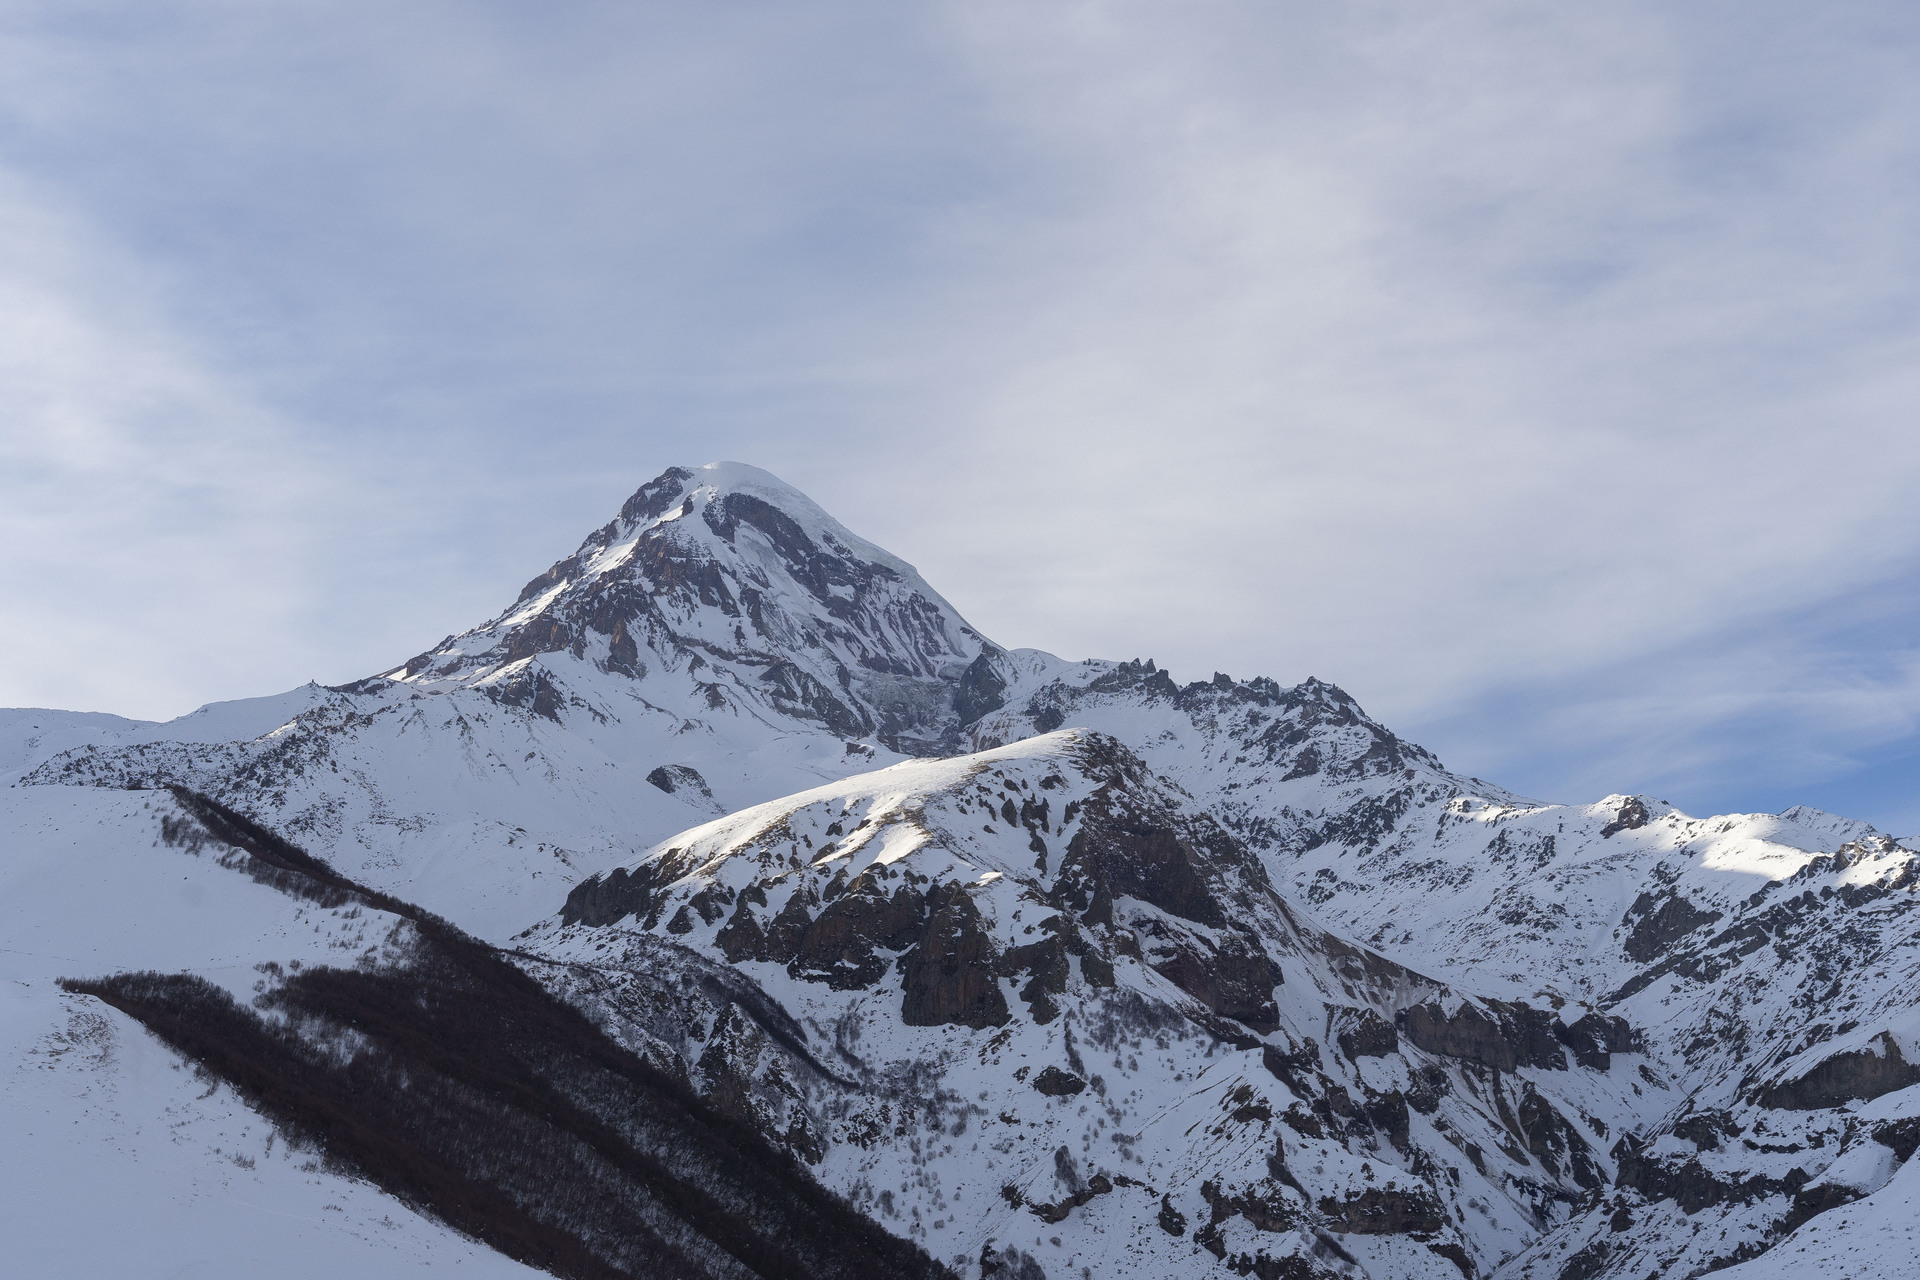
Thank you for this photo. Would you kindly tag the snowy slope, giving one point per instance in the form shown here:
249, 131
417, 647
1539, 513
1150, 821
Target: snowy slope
366, 1038
1047, 1005
1877, 1236
1745, 951
721, 637
122, 1161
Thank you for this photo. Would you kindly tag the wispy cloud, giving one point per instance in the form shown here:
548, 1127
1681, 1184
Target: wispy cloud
1543, 375
156, 525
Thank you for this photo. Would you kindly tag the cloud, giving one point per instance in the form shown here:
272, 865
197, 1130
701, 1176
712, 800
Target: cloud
1473, 357
1544, 376
155, 522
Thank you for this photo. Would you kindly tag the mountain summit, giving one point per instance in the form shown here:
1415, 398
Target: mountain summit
726, 579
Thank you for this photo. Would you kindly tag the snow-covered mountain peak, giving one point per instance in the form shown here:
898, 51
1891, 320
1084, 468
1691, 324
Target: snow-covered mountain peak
729, 579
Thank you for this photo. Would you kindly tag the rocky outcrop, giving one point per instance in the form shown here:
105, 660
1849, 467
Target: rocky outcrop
1861, 1075
1691, 1185
841, 946
1556, 1142
1234, 977
622, 893
1596, 1037
1188, 866
980, 689
1632, 816
1098, 1185
949, 975
797, 693
1499, 1035
1660, 922
1379, 1211
674, 778
1362, 1033
1056, 1083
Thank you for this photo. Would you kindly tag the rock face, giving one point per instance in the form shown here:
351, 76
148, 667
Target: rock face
1499, 1036
782, 607
1859, 1076
1375, 1213
1659, 923
1046, 944
950, 974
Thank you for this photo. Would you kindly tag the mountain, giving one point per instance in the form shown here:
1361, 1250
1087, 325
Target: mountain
1044, 967
366, 1059
721, 642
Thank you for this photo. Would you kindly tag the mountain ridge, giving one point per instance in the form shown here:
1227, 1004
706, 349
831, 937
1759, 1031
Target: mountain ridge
1495, 1029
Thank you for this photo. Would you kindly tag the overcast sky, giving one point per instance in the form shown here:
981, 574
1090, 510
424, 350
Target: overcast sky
1545, 375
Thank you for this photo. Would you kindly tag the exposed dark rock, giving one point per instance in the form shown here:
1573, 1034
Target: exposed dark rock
531, 690
1705, 1129
1264, 1205
1691, 1186
789, 928
1098, 1185
1380, 1211
623, 653
653, 499
1047, 718
1134, 855
1846, 1077
602, 901
1235, 979
1810, 1202
1009, 1263
1046, 962
949, 975
1456, 1253
1430, 1084
1365, 1034
1293, 1069
1595, 1038
711, 902
1511, 1035
742, 938
1056, 1083
1129, 844
799, 694
1900, 1135
1632, 816
1589, 1262
1172, 1221
839, 947
1661, 922
1554, 1141
672, 778
980, 690
1387, 1113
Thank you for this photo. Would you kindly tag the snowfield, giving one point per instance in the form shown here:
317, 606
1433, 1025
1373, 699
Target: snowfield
122, 1159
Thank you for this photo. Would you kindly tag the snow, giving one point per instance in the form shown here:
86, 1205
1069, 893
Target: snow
1877, 1238
1170, 1091
121, 1159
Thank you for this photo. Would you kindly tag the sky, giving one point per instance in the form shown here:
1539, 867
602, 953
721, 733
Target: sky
1544, 375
